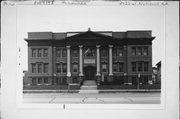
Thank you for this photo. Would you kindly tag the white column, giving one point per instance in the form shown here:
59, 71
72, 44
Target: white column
80, 61
110, 60
98, 60
68, 61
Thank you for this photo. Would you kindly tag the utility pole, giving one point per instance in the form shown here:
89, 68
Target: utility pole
139, 75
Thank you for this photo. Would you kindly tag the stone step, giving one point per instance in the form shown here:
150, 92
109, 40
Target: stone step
89, 82
88, 91
85, 87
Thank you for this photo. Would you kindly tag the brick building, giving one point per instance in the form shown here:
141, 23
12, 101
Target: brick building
106, 57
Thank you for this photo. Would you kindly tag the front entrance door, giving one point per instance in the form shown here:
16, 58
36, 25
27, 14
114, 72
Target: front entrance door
90, 73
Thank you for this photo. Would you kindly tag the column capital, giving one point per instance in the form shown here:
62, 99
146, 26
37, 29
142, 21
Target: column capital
68, 46
110, 46
80, 46
98, 46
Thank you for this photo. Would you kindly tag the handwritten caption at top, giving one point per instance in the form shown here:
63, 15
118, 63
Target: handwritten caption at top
140, 3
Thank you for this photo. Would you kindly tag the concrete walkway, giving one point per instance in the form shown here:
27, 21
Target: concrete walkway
102, 98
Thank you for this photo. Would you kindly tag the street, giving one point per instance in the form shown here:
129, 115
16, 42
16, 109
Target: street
101, 98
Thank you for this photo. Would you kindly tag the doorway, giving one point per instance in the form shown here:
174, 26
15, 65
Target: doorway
89, 73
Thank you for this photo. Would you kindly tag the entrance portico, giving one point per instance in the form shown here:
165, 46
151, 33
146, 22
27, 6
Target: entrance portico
89, 58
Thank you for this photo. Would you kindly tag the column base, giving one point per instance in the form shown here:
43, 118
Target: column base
69, 74
80, 80
98, 80
69, 80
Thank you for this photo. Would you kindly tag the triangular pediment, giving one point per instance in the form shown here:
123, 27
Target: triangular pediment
89, 35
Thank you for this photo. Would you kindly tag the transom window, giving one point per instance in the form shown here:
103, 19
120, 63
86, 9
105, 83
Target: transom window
89, 52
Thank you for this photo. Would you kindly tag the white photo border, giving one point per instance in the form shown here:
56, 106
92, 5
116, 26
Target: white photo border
19, 105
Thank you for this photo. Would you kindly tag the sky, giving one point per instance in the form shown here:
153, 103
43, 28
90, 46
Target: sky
61, 18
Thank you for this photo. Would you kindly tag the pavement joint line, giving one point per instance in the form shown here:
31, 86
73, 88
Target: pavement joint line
84, 99
52, 99
100, 100
129, 99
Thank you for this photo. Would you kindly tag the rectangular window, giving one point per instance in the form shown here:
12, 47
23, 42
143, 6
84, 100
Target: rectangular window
139, 66
46, 68
39, 52
64, 68
58, 68
33, 50
33, 68
104, 53
134, 80
114, 52
89, 52
58, 53
115, 67
104, 67
75, 53
58, 81
120, 53
64, 53
64, 80
146, 66
133, 51
45, 80
45, 52
139, 51
39, 80
39, 68
120, 67
75, 80
133, 66
75, 68
145, 51
33, 81
145, 81
93, 52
